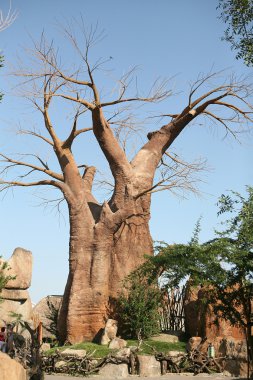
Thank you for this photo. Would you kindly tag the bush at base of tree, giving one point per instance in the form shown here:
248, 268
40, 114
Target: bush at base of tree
137, 307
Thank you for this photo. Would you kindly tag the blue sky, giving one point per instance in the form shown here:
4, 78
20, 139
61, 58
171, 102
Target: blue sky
178, 39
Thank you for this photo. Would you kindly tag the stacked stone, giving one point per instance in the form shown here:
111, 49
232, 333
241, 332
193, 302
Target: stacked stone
15, 294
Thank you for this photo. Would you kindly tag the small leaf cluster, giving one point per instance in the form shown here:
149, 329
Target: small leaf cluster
4, 277
238, 14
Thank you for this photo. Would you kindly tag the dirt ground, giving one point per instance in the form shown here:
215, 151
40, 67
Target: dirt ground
172, 376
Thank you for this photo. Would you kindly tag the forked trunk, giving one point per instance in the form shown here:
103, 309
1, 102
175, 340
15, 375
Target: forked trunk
99, 261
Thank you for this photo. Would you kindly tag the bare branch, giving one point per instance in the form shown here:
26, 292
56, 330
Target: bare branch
36, 134
157, 93
177, 176
79, 131
221, 121
235, 92
43, 169
74, 132
199, 82
9, 19
9, 184
84, 102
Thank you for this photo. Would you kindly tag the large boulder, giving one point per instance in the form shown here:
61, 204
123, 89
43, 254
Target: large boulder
45, 311
10, 369
148, 366
20, 266
72, 352
117, 344
169, 338
9, 308
110, 331
15, 295
114, 371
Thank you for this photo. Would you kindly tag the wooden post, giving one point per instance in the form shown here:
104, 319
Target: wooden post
40, 333
164, 366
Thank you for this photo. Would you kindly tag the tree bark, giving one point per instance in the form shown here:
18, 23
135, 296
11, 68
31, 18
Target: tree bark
101, 256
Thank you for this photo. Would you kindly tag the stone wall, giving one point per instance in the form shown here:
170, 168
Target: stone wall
229, 341
199, 320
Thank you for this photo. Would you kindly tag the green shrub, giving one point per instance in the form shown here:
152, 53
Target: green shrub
137, 307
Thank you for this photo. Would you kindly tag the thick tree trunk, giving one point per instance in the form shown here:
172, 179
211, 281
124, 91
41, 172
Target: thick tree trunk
99, 261
130, 244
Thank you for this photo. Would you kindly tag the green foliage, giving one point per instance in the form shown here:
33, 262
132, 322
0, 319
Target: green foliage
178, 262
95, 350
4, 277
226, 262
148, 346
224, 265
137, 307
238, 14
235, 243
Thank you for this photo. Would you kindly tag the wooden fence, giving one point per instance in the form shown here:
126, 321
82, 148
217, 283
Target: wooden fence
172, 314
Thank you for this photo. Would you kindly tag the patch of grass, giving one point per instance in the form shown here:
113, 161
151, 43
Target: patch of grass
149, 347
98, 351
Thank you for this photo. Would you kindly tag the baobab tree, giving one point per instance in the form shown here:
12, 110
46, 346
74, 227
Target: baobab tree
107, 241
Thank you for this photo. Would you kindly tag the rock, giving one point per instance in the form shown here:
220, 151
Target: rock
77, 353
123, 352
148, 366
15, 294
46, 307
60, 364
199, 320
117, 343
236, 367
20, 265
165, 338
45, 347
114, 370
193, 309
226, 373
236, 352
11, 369
233, 348
18, 307
110, 331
